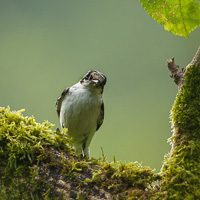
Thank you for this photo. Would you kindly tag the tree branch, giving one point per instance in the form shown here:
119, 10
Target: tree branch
38, 163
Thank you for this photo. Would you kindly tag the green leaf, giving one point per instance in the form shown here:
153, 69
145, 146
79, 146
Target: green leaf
177, 16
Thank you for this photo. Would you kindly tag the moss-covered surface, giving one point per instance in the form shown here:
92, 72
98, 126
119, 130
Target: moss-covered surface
23, 145
38, 163
181, 169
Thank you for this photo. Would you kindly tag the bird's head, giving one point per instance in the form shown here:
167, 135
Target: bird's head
94, 79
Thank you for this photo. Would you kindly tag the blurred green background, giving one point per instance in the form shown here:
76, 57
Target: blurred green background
49, 45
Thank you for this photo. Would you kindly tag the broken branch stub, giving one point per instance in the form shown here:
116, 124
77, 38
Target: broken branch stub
176, 73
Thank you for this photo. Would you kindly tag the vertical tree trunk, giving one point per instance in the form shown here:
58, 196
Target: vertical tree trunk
181, 168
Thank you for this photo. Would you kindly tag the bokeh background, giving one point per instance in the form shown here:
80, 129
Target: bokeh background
48, 45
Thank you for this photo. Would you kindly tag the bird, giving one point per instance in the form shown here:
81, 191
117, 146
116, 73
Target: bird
80, 109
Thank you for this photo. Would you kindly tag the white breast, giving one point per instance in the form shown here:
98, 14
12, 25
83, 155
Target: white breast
79, 113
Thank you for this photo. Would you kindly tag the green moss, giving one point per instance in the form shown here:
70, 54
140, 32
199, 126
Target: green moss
22, 147
126, 180
187, 104
181, 169
33, 156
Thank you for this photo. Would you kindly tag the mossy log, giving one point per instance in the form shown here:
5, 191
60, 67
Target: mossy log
38, 163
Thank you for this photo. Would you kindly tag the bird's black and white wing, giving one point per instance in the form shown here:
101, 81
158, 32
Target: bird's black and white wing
101, 117
59, 101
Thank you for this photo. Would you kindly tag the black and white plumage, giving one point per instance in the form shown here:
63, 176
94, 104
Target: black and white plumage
80, 109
